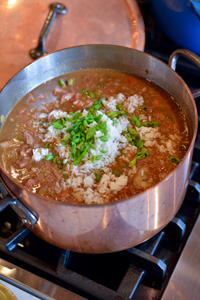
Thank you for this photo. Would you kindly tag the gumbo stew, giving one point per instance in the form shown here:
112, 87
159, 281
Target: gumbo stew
94, 136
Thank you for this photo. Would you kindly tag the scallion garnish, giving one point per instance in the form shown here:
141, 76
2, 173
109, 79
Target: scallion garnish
63, 142
119, 106
117, 172
65, 175
134, 138
103, 151
81, 134
61, 82
132, 163
71, 81
91, 132
89, 93
136, 121
143, 107
114, 114
94, 158
60, 164
49, 156
142, 154
174, 160
151, 124
57, 125
104, 138
98, 174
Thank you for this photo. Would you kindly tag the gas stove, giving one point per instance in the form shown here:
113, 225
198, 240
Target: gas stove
164, 267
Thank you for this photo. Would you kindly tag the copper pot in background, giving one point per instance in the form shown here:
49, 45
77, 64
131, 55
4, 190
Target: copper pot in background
114, 226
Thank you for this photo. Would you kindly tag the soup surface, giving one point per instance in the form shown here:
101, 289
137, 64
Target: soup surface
93, 136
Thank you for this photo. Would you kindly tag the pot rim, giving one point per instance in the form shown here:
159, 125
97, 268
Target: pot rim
141, 193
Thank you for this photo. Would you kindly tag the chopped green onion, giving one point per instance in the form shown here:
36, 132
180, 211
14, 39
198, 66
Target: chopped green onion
174, 160
104, 138
89, 93
139, 143
46, 145
112, 114
143, 107
77, 160
103, 127
57, 125
142, 154
49, 157
63, 142
97, 119
126, 165
98, 157
151, 124
136, 121
132, 163
60, 164
71, 81
90, 133
65, 176
94, 158
134, 138
122, 113
117, 172
119, 106
97, 105
98, 174
115, 121
132, 131
103, 151
61, 82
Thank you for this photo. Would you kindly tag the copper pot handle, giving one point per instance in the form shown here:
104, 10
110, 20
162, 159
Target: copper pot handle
193, 58
40, 49
26, 216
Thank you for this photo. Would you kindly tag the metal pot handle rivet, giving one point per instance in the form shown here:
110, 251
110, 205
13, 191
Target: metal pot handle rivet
40, 49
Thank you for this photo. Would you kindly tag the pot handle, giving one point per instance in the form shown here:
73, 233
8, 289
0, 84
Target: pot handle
40, 49
26, 216
193, 58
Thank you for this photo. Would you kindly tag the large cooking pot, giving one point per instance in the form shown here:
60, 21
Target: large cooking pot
106, 227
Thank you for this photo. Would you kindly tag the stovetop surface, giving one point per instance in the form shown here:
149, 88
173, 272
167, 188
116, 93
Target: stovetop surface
142, 272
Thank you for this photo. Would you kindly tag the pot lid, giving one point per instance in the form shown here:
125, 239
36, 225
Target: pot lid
117, 22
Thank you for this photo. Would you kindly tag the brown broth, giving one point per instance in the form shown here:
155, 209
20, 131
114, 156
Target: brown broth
22, 132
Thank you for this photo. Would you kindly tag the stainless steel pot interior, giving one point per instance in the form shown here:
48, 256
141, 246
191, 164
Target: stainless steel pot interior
89, 57
116, 226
